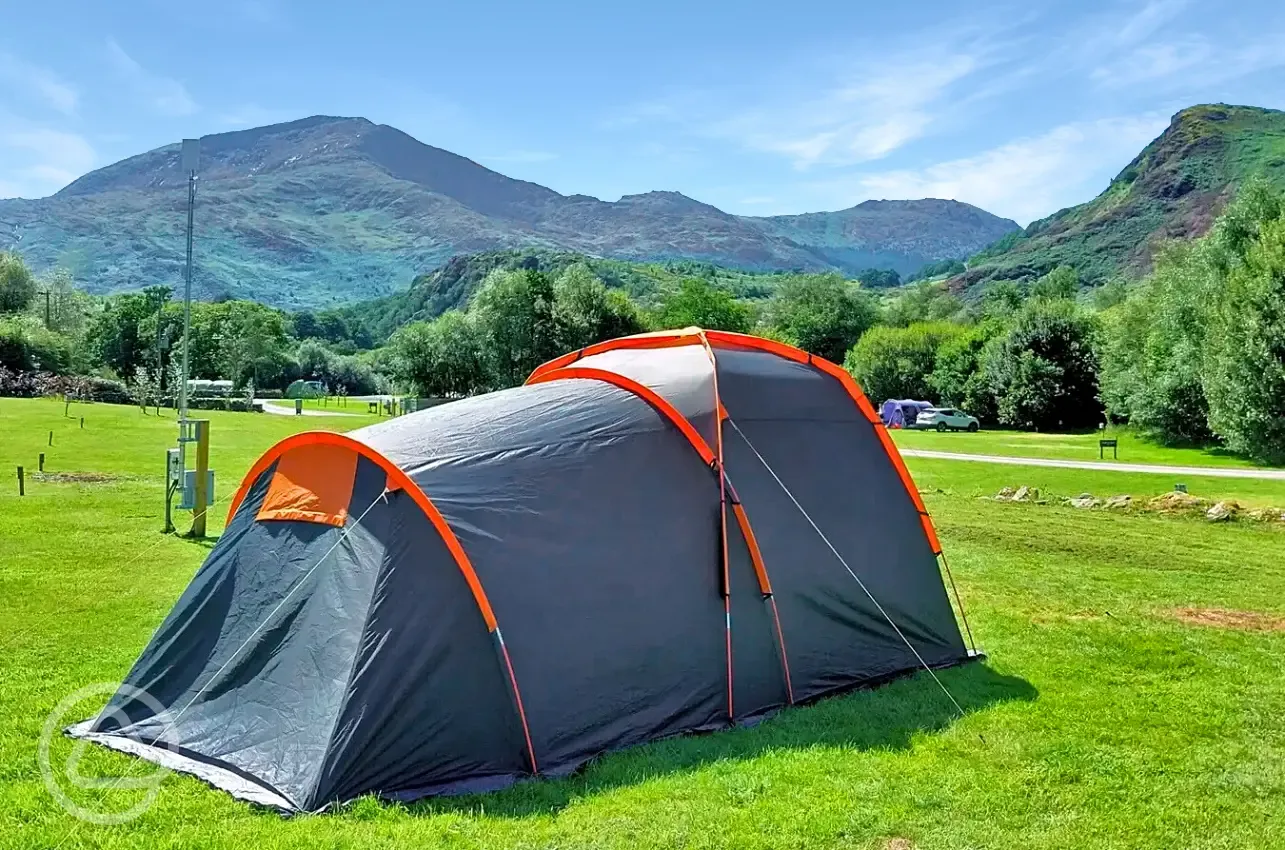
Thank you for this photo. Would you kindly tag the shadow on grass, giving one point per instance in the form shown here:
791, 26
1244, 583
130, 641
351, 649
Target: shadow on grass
206, 543
887, 717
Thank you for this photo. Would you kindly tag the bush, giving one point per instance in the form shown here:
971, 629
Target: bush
236, 405
1044, 371
27, 346
302, 389
102, 389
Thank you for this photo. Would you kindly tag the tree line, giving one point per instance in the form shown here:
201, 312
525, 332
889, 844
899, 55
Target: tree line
47, 325
1193, 353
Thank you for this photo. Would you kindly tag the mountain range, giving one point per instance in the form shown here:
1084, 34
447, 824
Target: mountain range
1173, 189
326, 211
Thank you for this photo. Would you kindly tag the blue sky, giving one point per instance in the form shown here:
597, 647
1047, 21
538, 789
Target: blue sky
757, 107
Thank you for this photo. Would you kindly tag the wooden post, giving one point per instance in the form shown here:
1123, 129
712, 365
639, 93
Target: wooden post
42, 461
82, 422
200, 506
66, 405
22, 487
51, 438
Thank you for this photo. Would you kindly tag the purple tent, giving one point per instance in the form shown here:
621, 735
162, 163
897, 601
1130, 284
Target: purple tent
901, 413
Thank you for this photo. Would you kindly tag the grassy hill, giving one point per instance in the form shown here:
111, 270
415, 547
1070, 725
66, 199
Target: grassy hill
1173, 189
326, 211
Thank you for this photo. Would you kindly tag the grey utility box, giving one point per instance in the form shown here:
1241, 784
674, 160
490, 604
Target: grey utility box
189, 490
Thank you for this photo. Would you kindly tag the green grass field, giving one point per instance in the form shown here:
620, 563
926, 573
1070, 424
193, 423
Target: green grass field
1131, 448
1133, 696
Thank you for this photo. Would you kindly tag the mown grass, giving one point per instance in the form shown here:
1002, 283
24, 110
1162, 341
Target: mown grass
1099, 720
1132, 448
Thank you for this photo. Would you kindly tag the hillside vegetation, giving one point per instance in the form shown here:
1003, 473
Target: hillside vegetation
325, 211
452, 285
1173, 189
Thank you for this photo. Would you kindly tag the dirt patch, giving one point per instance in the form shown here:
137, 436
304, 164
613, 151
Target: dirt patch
898, 844
1226, 618
74, 477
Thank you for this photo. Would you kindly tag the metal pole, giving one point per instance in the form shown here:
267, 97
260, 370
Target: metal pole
187, 301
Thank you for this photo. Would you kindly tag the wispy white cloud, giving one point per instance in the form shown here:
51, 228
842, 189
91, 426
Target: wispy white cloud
1026, 178
852, 112
37, 161
1153, 47
163, 94
1145, 21
1190, 60
37, 83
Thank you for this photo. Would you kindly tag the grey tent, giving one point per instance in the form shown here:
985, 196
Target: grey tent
660, 534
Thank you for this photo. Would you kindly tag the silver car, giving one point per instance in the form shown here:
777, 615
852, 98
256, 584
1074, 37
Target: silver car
946, 419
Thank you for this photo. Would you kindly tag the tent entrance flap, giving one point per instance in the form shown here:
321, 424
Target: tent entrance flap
312, 483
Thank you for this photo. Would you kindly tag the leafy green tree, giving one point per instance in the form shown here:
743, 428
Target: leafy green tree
1244, 378
585, 311
896, 362
822, 314
879, 278
304, 325
252, 344
17, 284
513, 312
941, 268
924, 302
1061, 283
1161, 355
113, 337
959, 376
350, 376
1001, 299
315, 361
27, 345
1044, 370
698, 303
70, 309
1152, 349
443, 358
1110, 294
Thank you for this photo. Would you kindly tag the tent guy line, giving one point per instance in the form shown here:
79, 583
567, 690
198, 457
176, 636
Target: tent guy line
844, 562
